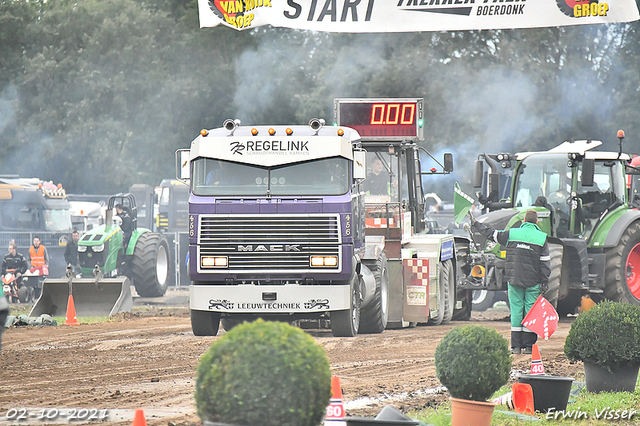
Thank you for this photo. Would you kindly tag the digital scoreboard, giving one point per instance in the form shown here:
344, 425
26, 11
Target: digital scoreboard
381, 118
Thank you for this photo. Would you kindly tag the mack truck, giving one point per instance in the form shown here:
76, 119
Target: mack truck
585, 206
281, 226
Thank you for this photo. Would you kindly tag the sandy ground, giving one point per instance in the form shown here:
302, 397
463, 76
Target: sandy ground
147, 359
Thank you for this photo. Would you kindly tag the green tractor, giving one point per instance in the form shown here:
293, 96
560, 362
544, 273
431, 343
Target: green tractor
110, 261
582, 197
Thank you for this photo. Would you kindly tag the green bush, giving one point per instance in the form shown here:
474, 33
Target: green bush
608, 334
264, 374
473, 362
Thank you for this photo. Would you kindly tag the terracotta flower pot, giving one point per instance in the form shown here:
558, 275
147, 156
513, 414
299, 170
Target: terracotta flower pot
471, 413
599, 379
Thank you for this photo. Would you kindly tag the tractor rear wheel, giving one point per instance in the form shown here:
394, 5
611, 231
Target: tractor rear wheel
204, 323
555, 252
150, 265
374, 317
622, 270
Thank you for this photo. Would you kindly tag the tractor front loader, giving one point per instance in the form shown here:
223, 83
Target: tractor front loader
111, 262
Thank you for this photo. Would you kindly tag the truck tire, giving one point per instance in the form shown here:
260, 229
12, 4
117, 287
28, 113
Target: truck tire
345, 323
448, 279
442, 296
555, 252
228, 323
150, 265
204, 323
374, 317
622, 268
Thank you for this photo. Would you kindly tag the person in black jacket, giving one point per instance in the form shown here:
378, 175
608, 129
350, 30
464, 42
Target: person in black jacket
71, 252
527, 273
127, 222
14, 261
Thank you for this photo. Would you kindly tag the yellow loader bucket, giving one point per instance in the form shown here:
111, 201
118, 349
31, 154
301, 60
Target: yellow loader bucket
92, 297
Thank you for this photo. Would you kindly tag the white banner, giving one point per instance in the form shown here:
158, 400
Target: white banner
379, 16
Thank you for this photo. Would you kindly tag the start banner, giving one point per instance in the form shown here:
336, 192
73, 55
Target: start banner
382, 16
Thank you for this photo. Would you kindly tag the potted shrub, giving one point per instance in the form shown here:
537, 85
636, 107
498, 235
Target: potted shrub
607, 339
472, 362
263, 374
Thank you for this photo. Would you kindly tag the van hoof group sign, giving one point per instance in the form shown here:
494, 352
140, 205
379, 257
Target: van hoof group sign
382, 16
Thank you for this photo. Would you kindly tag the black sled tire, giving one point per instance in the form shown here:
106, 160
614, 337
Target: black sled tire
622, 270
345, 323
205, 323
150, 265
464, 312
374, 317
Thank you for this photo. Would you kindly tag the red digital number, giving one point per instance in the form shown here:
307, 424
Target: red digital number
392, 113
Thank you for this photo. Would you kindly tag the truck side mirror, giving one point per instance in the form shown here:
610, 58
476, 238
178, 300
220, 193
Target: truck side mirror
359, 164
183, 166
588, 171
448, 162
494, 186
478, 172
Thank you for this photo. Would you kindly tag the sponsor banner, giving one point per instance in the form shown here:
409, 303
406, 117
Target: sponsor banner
382, 16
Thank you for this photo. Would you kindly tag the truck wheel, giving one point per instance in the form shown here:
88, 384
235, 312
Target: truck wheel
442, 297
228, 323
464, 313
150, 265
483, 300
555, 253
448, 280
622, 270
204, 323
345, 323
374, 317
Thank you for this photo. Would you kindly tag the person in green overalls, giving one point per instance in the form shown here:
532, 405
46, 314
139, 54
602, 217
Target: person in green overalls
527, 272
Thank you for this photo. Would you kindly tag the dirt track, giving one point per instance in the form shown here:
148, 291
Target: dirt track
147, 361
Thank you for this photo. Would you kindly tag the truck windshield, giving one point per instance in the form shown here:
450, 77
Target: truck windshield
327, 176
57, 220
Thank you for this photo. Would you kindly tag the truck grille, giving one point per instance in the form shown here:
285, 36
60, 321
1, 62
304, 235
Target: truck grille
279, 243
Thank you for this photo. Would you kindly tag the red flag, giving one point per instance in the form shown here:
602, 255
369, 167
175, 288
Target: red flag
542, 318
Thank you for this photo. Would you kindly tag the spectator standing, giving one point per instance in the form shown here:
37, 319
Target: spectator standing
71, 252
14, 261
39, 257
527, 272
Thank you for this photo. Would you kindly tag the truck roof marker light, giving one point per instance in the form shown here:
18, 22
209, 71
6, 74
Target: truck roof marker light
289, 131
272, 131
254, 131
433, 170
340, 132
204, 132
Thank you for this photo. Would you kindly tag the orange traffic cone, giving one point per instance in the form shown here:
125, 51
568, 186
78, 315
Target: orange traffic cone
138, 419
536, 360
71, 313
335, 409
519, 399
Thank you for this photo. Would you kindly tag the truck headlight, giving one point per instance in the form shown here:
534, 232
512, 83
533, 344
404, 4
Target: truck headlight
214, 261
82, 249
98, 249
324, 261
